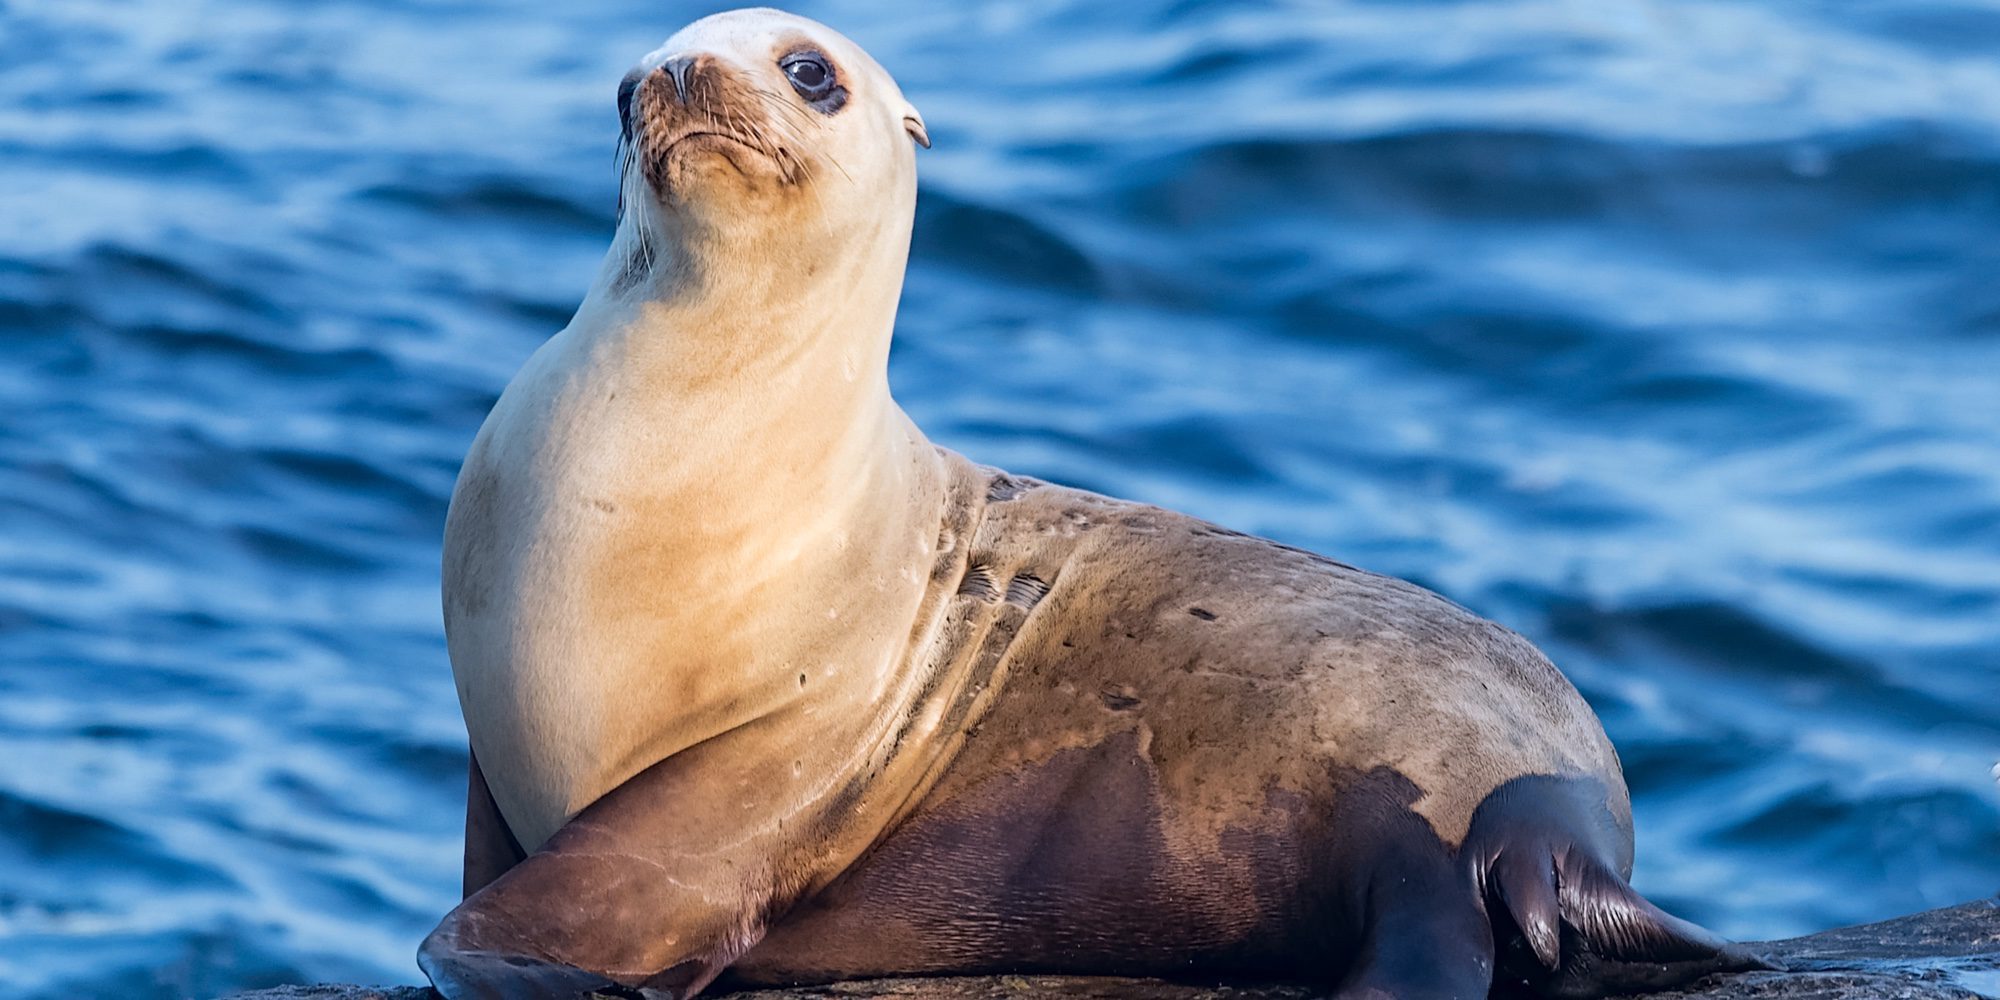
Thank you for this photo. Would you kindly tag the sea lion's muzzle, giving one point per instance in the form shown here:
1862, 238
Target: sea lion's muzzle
698, 108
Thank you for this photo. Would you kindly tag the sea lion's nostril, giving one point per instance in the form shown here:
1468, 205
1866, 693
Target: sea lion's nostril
677, 70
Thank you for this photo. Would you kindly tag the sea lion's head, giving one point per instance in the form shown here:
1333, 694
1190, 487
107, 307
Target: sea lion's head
761, 126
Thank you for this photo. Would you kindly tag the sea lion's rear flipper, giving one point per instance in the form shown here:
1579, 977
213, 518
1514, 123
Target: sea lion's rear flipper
1565, 923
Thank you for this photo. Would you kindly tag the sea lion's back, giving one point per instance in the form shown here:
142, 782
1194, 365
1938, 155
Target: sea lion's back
1235, 652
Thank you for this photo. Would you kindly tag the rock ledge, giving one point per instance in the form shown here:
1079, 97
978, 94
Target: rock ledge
1948, 954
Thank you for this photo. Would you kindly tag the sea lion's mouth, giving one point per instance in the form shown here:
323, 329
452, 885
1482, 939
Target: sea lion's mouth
711, 140
674, 159
744, 154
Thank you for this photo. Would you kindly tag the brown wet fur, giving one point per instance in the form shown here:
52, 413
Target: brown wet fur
1189, 764
1145, 745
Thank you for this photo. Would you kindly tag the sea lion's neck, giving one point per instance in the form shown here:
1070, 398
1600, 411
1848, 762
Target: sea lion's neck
694, 310
735, 523
760, 381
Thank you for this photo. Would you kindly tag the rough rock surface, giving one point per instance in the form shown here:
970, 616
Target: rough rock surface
1948, 954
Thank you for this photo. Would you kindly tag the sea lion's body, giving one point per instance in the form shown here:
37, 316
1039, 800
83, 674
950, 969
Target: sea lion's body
760, 681
1180, 749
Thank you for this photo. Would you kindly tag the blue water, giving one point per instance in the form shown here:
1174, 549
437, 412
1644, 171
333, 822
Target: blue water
1665, 332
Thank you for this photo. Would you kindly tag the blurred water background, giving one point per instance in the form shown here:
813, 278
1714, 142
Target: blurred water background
1665, 331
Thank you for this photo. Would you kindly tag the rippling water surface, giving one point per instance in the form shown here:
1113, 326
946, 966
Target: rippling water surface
1665, 332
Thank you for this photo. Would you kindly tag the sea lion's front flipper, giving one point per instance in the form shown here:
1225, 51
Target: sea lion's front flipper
490, 847
1425, 939
629, 899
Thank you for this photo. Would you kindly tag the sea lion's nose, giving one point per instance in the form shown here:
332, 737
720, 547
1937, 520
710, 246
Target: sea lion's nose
679, 69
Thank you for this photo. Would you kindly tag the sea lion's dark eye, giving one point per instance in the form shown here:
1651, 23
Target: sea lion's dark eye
816, 80
810, 75
807, 74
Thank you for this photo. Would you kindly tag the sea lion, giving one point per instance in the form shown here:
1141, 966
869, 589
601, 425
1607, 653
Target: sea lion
761, 682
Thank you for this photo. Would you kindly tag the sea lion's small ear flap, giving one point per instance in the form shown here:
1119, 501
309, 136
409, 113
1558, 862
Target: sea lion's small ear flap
913, 123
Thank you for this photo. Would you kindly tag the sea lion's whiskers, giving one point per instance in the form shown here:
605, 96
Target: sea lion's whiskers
739, 129
740, 120
623, 158
798, 119
795, 134
843, 170
740, 124
793, 123
791, 111
789, 120
786, 147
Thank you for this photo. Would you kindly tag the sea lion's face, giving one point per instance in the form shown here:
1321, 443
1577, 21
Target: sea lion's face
758, 109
